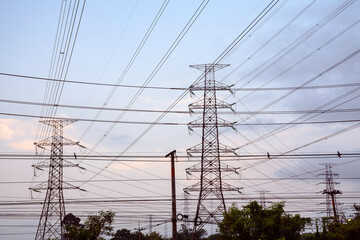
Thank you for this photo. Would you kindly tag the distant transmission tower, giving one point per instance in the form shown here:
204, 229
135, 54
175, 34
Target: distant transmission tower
331, 201
150, 224
210, 187
53, 211
262, 199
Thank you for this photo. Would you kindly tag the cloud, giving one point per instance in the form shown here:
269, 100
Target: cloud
27, 145
6, 132
16, 134
127, 165
13, 128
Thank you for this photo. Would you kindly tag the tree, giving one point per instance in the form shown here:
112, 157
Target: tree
253, 222
186, 234
125, 234
216, 236
153, 236
71, 220
332, 230
94, 228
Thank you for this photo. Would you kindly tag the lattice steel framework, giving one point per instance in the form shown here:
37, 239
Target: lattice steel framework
330, 191
53, 211
211, 202
262, 199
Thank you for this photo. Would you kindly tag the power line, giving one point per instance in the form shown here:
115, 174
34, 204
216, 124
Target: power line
347, 110
177, 123
186, 179
132, 60
344, 85
159, 65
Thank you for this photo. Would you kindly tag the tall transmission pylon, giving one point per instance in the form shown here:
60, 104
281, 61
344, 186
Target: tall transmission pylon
330, 191
53, 211
211, 186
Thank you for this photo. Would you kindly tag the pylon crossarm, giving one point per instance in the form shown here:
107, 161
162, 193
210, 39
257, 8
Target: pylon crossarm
223, 123
229, 188
195, 149
69, 186
226, 149
57, 122
39, 187
192, 188
218, 87
44, 142
227, 168
194, 168
67, 163
200, 105
198, 123
41, 165
48, 141
209, 66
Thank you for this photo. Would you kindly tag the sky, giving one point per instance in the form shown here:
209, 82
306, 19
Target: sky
308, 47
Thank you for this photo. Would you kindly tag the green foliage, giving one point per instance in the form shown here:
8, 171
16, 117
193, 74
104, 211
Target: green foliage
336, 231
125, 234
254, 223
216, 236
153, 236
94, 228
186, 234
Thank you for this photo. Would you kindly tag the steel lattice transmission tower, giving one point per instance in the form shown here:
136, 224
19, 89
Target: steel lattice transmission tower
330, 191
53, 211
211, 203
262, 199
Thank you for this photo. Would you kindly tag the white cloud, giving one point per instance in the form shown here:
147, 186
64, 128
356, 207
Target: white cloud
17, 134
6, 132
13, 128
27, 145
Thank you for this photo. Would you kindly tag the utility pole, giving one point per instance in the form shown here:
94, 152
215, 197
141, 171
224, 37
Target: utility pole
186, 209
173, 195
139, 230
330, 191
53, 211
210, 168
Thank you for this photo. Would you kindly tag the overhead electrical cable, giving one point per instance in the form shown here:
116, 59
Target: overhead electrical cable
316, 50
66, 49
271, 38
182, 124
233, 44
184, 158
281, 129
58, 68
298, 62
272, 112
296, 43
132, 60
327, 70
344, 85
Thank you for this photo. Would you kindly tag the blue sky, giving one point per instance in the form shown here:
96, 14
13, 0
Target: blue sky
110, 32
